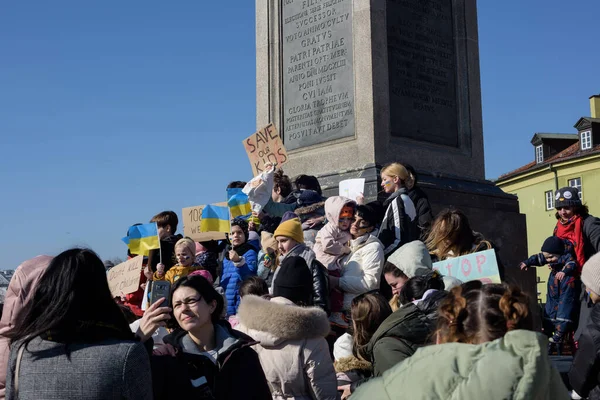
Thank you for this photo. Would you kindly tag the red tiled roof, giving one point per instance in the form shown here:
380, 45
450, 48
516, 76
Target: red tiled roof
570, 152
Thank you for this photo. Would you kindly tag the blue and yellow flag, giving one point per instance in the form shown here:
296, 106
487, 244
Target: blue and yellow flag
215, 219
238, 202
142, 238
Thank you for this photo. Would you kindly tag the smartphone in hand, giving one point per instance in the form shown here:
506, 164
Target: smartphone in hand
160, 289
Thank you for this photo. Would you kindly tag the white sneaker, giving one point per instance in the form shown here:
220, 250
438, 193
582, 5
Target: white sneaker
574, 395
337, 319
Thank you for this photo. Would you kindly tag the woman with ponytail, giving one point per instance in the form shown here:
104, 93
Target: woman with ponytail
485, 349
400, 223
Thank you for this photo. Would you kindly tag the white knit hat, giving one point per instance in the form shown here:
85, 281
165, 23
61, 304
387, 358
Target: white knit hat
411, 258
590, 275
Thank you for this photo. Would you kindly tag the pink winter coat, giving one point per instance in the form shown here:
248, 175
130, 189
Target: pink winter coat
331, 243
19, 290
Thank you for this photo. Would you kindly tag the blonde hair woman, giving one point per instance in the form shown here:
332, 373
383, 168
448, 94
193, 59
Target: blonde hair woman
400, 221
399, 224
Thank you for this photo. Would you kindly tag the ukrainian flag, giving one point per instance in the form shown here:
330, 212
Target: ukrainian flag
215, 219
142, 238
238, 202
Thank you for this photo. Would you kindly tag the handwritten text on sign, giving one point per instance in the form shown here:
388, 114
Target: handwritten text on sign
481, 266
125, 277
191, 224
265, 146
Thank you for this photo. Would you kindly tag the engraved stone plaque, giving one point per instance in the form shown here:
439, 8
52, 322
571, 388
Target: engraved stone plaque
318, 80
422, 71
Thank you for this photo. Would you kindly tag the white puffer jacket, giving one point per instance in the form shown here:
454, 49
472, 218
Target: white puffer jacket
362, 268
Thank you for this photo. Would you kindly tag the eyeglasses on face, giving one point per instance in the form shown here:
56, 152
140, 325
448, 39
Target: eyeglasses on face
190, 302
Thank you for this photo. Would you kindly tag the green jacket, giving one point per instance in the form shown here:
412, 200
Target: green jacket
513, 367
398, 337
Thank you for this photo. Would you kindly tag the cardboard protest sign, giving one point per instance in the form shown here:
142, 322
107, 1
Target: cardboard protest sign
125, 277
265, 146
191, 224
481, 266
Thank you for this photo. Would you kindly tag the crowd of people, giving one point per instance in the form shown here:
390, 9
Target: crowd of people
310, 298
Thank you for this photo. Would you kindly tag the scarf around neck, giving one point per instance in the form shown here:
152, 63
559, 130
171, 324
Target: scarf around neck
572, 230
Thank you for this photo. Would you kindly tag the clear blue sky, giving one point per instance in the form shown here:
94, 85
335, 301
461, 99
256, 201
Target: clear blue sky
113, 111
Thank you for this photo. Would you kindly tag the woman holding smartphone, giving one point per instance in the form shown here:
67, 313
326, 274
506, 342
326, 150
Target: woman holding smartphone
203, 356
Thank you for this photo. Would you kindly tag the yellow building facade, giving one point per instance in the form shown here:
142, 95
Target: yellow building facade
559, 160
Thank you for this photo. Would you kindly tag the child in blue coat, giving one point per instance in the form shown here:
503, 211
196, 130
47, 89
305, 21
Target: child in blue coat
239, 264
563, 284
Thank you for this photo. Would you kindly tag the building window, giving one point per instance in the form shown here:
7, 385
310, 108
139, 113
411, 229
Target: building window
539, 154
586, 140
576, 183
549, 200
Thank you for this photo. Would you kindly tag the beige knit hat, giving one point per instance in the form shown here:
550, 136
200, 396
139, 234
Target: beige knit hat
590, 275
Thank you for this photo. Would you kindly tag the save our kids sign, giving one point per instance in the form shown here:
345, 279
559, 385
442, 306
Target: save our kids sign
481, 266
265, 146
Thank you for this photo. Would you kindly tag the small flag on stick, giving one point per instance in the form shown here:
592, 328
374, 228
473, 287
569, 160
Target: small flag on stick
142, 238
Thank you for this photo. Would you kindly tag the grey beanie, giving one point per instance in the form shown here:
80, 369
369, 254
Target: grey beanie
590, 275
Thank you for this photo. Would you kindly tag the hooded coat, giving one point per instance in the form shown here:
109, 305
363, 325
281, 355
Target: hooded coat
362, 269
414, 260
181, 371
331, 243
515, 366
293, 351
398, 337
21, 286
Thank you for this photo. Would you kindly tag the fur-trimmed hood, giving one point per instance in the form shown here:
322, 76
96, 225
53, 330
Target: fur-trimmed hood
352, 363
313, 208
278, 320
